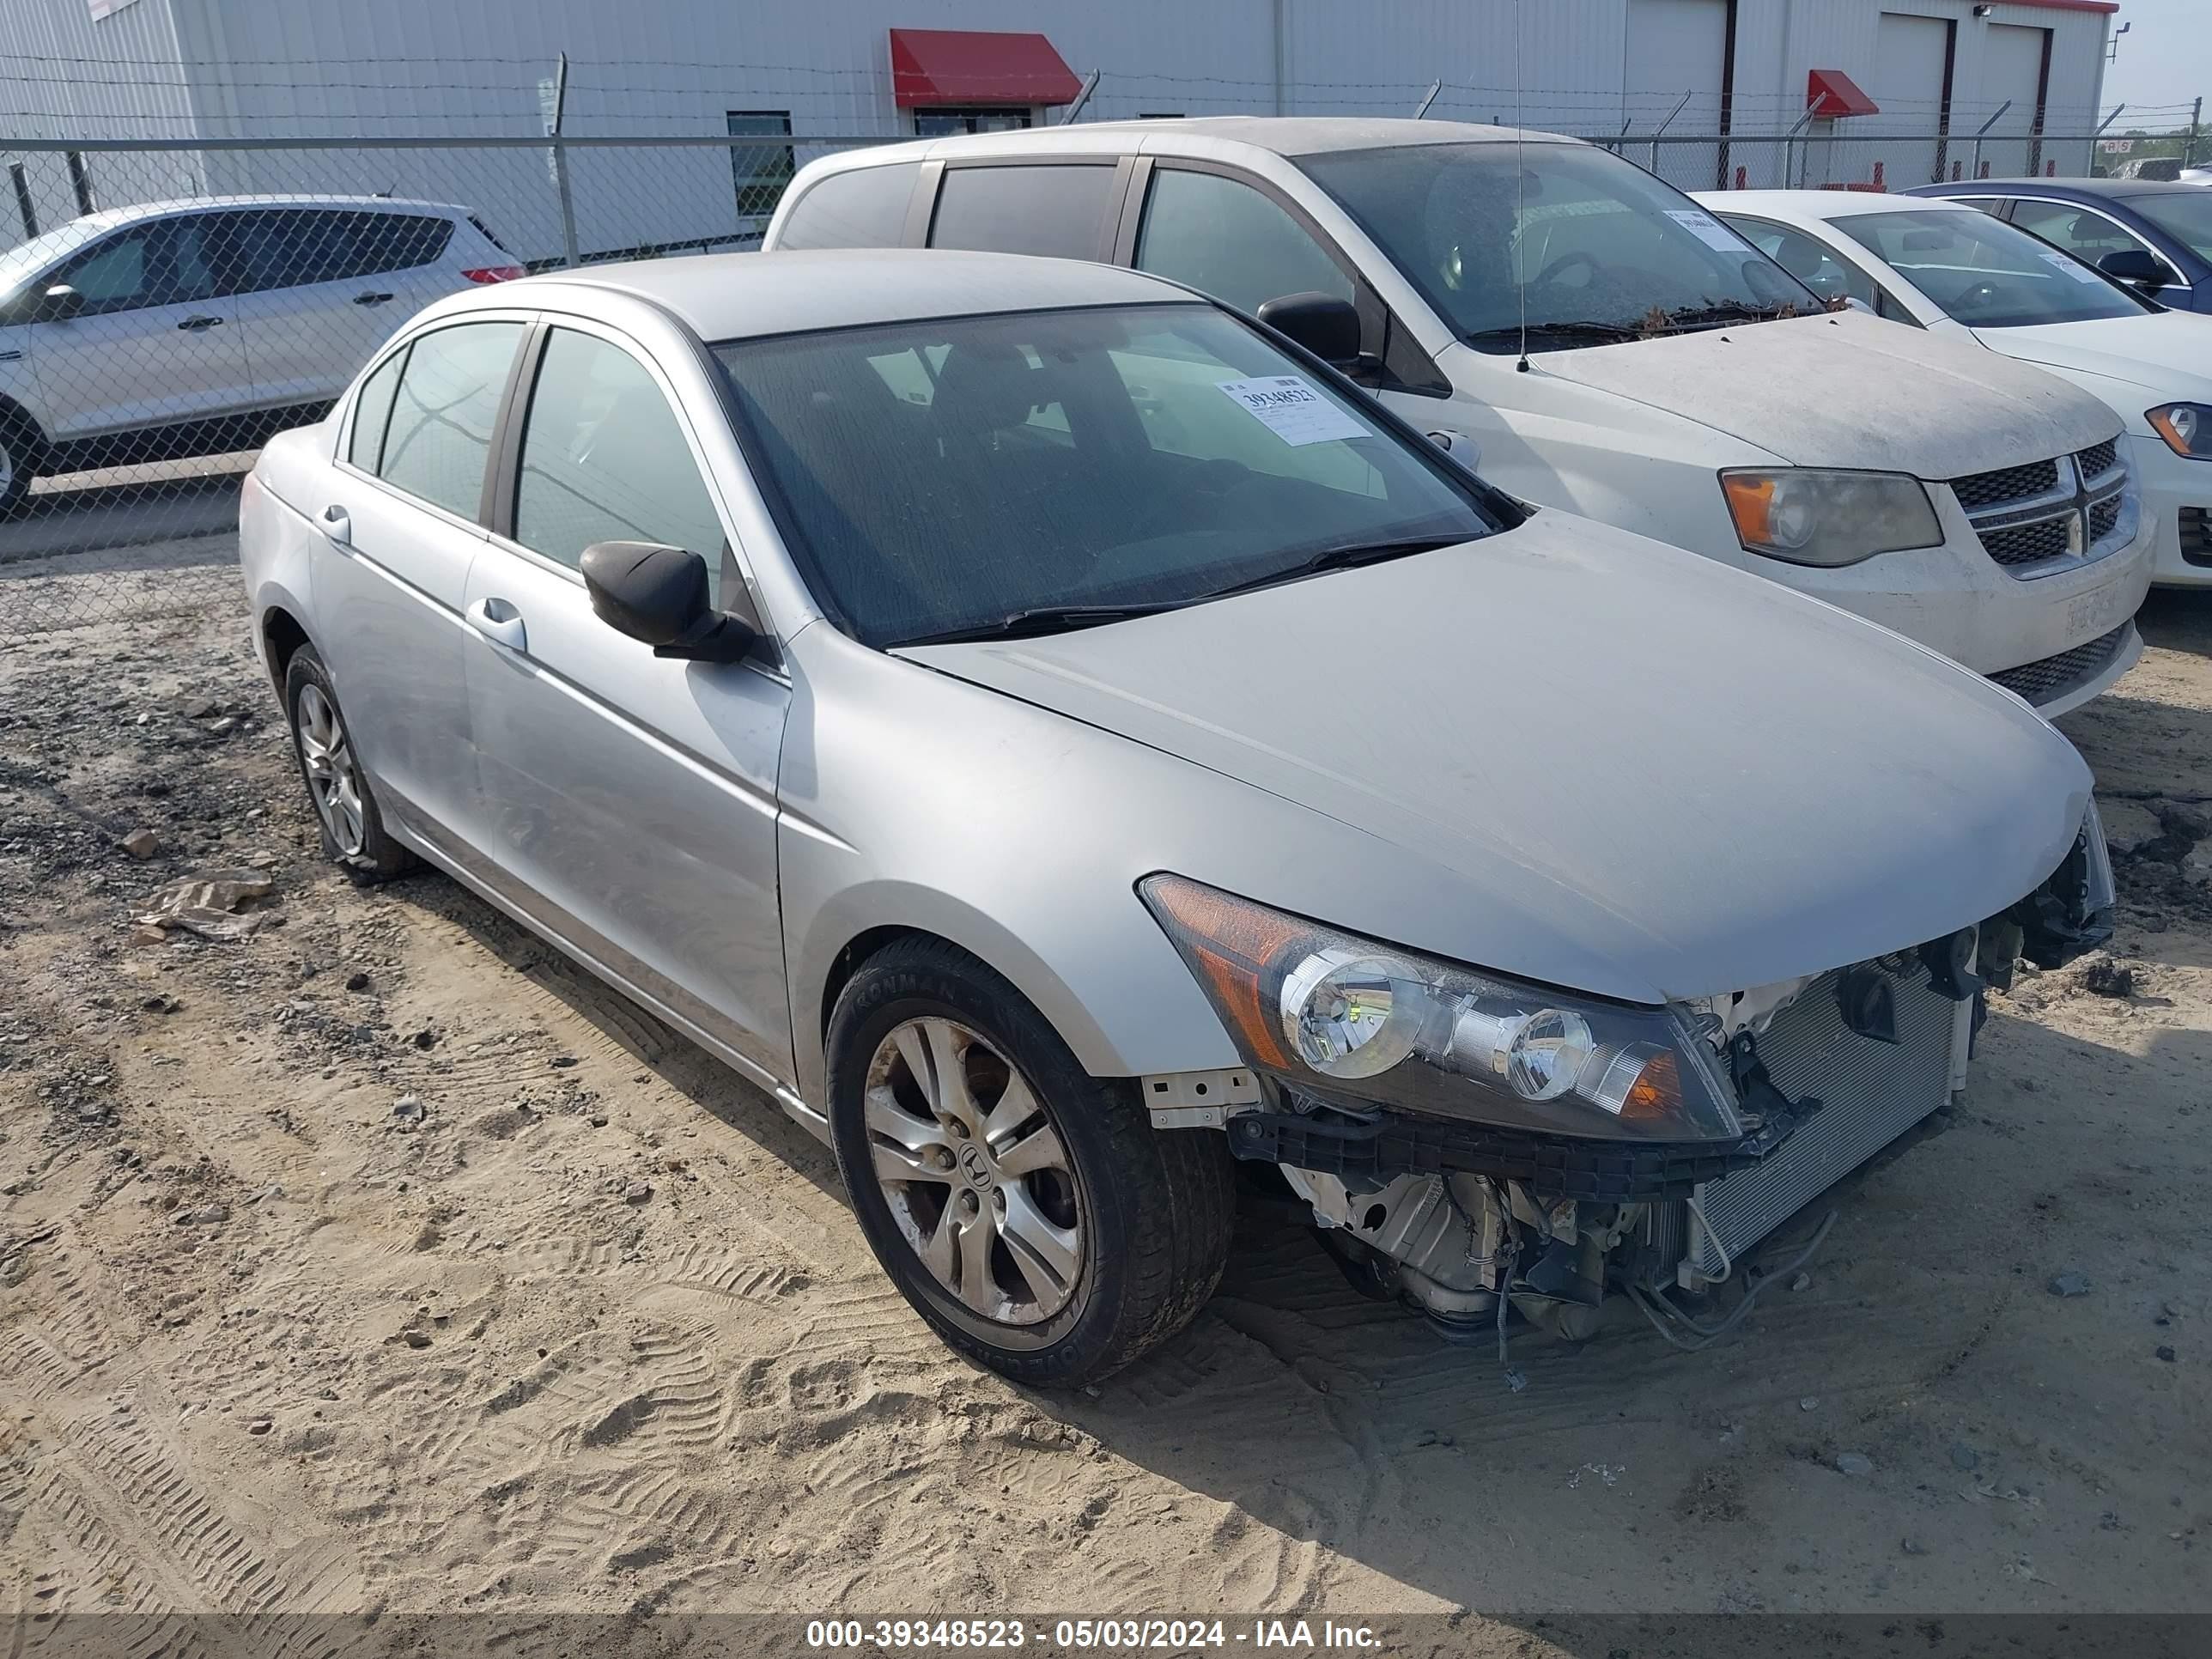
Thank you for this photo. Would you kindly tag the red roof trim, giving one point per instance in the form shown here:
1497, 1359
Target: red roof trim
1830, 93
977, 66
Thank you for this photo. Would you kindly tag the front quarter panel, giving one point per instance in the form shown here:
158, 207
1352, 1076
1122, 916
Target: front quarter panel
915, 800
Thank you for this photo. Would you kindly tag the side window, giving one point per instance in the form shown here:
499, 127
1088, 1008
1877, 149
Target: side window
603, 459
158, 265
2082, 234
1056, 211
372, 413
1227, 240
863, 208
1808, 258
398, 242
440, 433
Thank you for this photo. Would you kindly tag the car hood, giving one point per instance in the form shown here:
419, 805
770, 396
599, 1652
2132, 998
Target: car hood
2169, 352
1843, 389
1575, 755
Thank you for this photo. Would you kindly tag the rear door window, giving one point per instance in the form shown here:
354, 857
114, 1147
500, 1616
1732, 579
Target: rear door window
1059, 211
440, 433
863, 208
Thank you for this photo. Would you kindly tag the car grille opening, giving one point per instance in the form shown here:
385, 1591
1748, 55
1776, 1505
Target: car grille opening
2031, 517
2050, 677
1870, 1093
2196, 534
2027, 543
2006, 485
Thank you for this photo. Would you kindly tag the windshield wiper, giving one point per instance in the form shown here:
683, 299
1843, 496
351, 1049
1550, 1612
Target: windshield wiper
1578, 328
1034, 620
1342, 558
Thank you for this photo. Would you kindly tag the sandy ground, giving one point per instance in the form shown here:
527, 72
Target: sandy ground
383, 1261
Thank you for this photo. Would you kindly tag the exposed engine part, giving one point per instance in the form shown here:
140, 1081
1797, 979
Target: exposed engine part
1867, 1004
1449, 1243
1751, 1010
1950, 962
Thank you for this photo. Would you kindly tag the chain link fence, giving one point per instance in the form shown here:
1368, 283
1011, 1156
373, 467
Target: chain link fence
143, 358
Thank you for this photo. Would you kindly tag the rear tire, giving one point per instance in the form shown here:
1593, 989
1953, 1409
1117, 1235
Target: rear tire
1028, 1211
338, 790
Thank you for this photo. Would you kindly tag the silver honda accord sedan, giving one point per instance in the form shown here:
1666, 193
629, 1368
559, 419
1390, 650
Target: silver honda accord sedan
1085, 760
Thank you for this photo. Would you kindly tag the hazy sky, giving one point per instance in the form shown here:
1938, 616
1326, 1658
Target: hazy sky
2165, 58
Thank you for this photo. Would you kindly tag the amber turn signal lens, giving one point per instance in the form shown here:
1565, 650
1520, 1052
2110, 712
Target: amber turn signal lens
1750, 504
1233, 943
1657, 1092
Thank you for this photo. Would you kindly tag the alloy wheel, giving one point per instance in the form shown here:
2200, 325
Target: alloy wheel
326, 754
974, 1174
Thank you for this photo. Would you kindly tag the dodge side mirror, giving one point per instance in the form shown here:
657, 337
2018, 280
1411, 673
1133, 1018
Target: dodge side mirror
660, 595
59, 303
1324, 325
2134, 264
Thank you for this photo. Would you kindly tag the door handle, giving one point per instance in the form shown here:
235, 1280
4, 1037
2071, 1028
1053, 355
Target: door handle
338, 524
370, 299
196, 324
499, 622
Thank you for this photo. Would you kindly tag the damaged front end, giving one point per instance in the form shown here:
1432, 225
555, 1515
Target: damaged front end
1467, 1144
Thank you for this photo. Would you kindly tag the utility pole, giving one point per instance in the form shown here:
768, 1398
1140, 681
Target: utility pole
2196, 120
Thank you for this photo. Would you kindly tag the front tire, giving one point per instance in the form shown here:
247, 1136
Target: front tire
1028, 1211
18, 465
345, 806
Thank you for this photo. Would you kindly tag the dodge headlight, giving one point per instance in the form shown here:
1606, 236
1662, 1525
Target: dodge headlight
1812, 517
2186, 428
1343, 1017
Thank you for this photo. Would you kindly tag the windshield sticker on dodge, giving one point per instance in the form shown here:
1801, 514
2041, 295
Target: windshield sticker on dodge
1290, 408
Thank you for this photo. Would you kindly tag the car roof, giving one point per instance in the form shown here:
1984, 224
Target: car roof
107, 218
729, 296
1817, 203
2104, 189
1279, 135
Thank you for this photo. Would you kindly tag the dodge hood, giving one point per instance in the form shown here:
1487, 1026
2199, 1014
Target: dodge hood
1571, 754
1847, 390
2168, 353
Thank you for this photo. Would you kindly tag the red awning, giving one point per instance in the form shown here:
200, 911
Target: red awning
1830, 93
977, 66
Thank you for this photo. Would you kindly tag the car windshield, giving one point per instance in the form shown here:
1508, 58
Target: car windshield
19, 263
970, 474
1986, 273
2185, 215
1596, 247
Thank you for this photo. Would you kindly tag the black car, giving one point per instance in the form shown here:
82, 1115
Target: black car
2156, 237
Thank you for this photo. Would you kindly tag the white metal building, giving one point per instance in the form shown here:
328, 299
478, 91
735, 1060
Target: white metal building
1920, 75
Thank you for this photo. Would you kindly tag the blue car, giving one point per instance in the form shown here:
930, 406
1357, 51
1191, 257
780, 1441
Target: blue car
2155, 237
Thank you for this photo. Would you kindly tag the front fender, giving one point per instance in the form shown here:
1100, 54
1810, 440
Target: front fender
911, 800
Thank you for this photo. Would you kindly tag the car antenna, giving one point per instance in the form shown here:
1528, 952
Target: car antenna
1520, 195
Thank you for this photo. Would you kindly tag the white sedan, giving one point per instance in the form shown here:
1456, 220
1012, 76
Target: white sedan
1954, 269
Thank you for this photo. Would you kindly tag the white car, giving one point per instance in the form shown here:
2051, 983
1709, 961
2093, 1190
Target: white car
1957, 271
188, 328
1676, 382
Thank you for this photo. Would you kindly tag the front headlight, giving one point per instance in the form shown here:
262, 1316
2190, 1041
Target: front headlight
2186, 428
1811, 517
1338, 1016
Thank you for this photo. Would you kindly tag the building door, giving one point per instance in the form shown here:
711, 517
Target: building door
1674, 49
1912, 66
2014, 61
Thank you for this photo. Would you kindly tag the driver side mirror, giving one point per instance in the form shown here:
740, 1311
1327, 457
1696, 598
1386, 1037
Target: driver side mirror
1324, 325
660, 595
2137, 265
59, 303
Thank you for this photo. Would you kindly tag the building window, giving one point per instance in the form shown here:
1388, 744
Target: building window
761, 170
1159, 115
950, 118
24, 204
81, 182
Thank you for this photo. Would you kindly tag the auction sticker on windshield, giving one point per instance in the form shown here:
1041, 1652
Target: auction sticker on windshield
2072, 267
1289, 407
1707, 229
